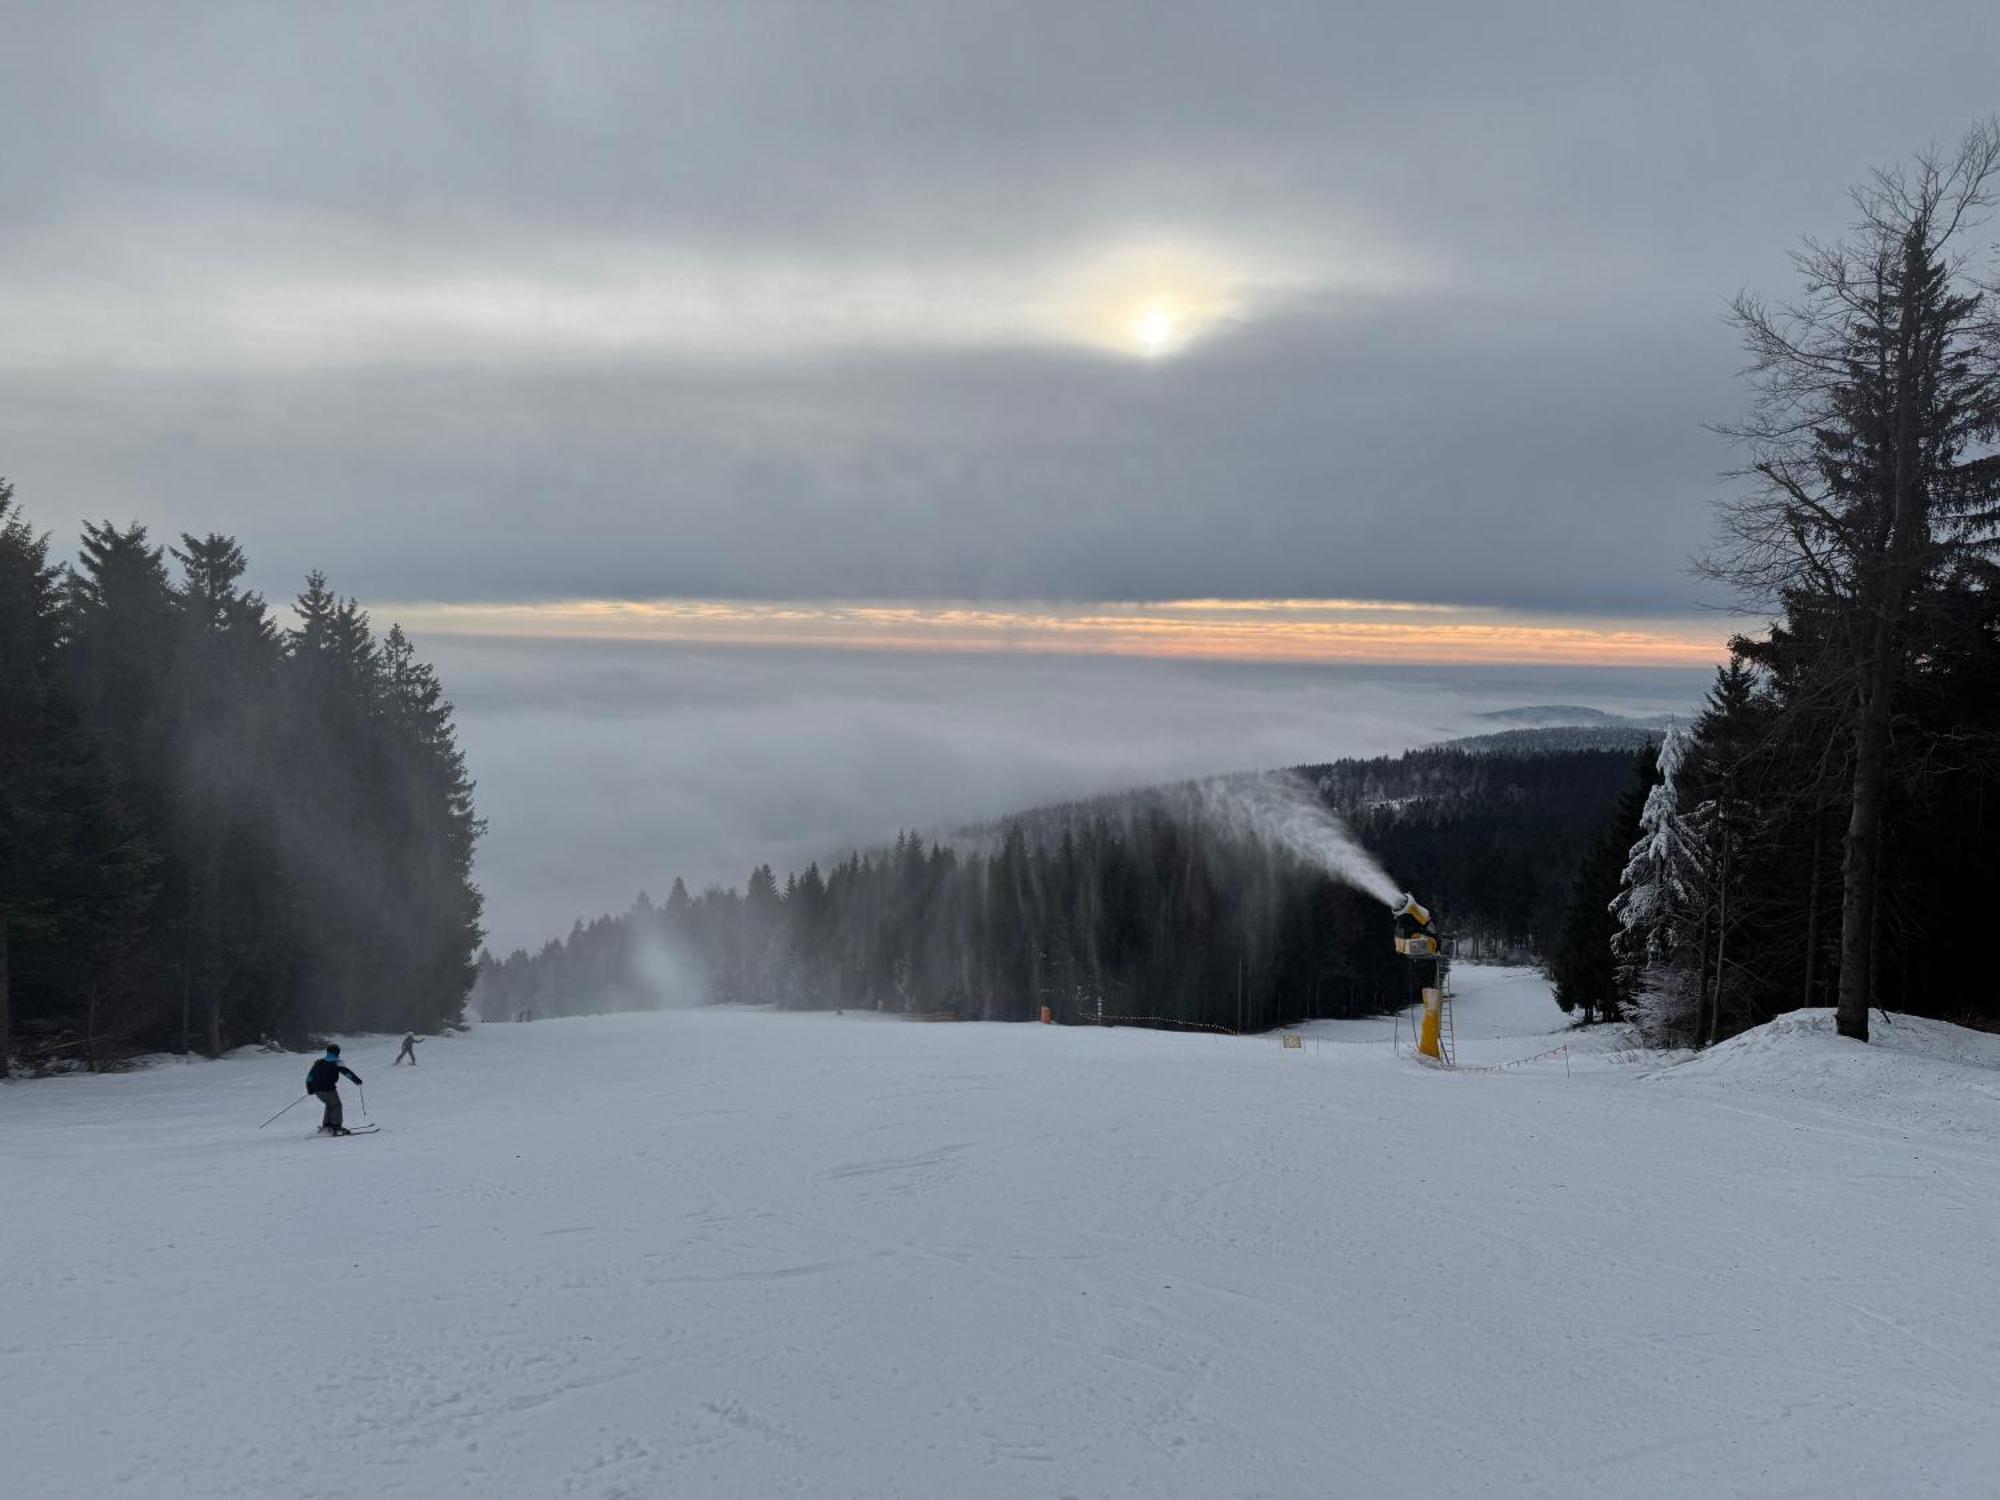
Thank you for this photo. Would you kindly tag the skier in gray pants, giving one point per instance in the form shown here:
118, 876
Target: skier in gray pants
409, 1050
323, 1083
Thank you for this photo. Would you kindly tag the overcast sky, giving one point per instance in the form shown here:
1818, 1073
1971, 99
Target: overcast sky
1033, 308
1071, 301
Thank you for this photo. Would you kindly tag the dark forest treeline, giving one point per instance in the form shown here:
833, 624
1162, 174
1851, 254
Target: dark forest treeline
1132, 906
1489, 835
213, 829
1712, 898
1491, 839
1829, 834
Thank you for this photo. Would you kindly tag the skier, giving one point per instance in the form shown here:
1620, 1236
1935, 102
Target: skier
410, 1041
323, 1083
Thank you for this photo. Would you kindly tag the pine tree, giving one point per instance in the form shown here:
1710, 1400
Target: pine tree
118, 653
225, 734
1587, 972
33, 743
432, 832
1662, 907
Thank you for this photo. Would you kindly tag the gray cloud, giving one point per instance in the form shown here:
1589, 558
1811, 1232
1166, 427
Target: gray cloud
1576, 188
1279, 462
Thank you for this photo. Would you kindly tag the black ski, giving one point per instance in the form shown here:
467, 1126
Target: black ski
357, 1130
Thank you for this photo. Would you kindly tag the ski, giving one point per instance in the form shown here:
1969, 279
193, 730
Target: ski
357, 1130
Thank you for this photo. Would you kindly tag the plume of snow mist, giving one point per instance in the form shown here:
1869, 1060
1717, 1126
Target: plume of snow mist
1284, 809
662, 978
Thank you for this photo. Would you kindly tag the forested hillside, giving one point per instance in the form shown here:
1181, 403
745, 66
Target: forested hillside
1490, 837
214, 829
1570, 737
1134, 906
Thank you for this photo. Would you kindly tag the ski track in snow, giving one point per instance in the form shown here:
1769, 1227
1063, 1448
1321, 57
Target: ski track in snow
738, 1253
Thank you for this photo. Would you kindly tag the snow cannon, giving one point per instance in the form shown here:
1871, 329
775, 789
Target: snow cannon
1416, 937
1418, 940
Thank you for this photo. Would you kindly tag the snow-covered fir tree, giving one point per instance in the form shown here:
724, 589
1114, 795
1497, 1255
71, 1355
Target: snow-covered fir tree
1663, 905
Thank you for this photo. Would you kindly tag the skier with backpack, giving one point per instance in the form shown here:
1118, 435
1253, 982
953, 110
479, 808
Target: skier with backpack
323, 1083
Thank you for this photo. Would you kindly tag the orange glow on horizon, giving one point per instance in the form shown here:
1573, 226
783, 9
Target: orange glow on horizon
1219, 630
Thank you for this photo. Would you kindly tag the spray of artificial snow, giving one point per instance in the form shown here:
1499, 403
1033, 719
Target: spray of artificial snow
1284, 809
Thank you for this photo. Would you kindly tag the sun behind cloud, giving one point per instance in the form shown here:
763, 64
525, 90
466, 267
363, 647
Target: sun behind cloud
1156, 329
1152, 300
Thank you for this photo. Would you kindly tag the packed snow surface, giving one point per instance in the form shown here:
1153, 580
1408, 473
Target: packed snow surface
742, 1253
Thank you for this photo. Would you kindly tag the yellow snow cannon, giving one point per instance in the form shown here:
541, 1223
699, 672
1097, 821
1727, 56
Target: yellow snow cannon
1418, 940
1415, 936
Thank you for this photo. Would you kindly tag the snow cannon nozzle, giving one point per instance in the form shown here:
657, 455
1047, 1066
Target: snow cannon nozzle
1415, 936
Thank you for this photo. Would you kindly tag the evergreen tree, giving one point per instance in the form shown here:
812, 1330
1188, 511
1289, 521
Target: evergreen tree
31, 735
1588, 975
1662, 907
206, 827
223, 693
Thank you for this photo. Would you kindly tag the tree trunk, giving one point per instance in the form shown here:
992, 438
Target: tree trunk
1721, 933
6, 1011
1912, 370
1862, 855
1701, 979
212, 967
1812, 907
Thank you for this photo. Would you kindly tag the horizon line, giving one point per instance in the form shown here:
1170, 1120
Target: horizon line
1267, 631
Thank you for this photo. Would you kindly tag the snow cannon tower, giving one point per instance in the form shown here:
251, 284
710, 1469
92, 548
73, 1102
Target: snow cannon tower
1418, 940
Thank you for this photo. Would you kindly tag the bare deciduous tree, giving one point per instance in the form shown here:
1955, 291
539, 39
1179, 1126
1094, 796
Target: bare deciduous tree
1873, 467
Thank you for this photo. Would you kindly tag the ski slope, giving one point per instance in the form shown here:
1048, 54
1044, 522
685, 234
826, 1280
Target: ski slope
740, 1253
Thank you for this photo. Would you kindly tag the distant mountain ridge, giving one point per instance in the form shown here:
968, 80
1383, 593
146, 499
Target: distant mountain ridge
1557, 740
1576, 716
1559, 728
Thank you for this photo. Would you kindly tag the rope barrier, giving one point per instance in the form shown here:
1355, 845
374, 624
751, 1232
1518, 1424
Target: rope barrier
1161, 1021
1562, 1052
1156, 1021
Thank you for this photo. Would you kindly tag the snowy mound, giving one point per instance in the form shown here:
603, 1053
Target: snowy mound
1911, 1071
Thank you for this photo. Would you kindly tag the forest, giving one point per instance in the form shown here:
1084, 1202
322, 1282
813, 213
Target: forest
1131, 907
1828, 831
216, 830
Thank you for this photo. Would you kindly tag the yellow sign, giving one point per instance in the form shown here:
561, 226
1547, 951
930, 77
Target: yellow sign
1293, 1041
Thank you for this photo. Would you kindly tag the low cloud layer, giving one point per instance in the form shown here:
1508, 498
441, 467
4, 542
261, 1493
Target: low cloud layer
605, 769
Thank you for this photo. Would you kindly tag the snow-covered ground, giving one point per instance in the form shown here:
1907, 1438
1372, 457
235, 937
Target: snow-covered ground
749, 1254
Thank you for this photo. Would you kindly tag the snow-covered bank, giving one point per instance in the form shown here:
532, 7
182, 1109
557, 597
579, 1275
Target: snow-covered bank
1914, 1074
726, 1253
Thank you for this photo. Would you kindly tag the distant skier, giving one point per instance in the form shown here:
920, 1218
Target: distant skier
410, 1041
323, 1083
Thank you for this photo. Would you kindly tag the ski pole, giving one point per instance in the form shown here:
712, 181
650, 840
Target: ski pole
364, 1100
293, 1105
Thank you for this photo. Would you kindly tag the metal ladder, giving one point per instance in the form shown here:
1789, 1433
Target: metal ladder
1447, 1035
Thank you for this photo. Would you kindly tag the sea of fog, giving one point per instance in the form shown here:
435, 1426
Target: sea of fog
608, 768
